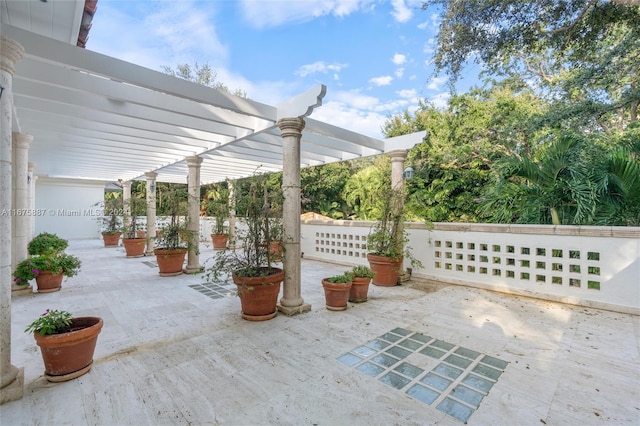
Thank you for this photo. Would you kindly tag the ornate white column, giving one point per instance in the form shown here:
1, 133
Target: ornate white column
193, 258
126, 206
31, 180
291, 302
21, 219
397, 183
151, 211
11, 377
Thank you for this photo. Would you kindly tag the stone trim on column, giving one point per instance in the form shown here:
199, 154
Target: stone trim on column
21, 222
193, 257
151, 212
126, 206
291, 302
232, 214
398, 158
32, 178
11, 377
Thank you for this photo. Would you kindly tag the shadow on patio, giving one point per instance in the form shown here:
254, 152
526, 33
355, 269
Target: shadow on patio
173, 352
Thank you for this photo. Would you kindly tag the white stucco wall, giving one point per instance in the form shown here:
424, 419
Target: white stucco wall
66, 207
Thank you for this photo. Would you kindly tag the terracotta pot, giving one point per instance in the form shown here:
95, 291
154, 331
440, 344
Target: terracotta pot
259, 295
48, 283
141, 234
336, 295
387, 270
134, 247
170, 261
111, 240
219, 241
359, 289
70, 355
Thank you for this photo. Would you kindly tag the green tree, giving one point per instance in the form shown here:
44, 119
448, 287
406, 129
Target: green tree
362, 190
201, 74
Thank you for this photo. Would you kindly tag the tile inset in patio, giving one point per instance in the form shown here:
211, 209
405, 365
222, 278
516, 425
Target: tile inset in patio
455, 385
214, 290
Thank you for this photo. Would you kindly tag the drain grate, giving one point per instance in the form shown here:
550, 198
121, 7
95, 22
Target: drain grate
453, 378
151, 263
214, 290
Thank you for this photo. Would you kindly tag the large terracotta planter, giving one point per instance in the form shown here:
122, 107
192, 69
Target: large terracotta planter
387, 270
48, 283
111, 240
170, 261
134, 247
359, 289
336, 295
219, 241
259, 295
141, 234
276, 249
70, 355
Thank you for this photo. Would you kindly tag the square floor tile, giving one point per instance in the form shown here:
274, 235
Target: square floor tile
433, 352
395, 380
423, 394
467, 395
455, 409
398, 352
494, 362
410, 344
478, 382
401, 331
409, 370
378, 344
435, 381
421, 337
458, 361
385, 360
467, 353
389, 337
487, 371
365, 351
370, 369
442, 345
349, 359
447, 370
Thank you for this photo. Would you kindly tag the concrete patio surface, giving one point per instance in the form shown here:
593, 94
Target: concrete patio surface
418, 354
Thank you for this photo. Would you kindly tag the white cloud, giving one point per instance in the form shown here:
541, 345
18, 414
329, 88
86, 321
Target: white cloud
401, 12
318, 67
436, 83
399, 72
381, 81
366, 122
263, 14
407, 93
399, 59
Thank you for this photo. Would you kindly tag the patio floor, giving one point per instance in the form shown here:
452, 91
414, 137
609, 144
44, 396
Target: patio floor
175, 351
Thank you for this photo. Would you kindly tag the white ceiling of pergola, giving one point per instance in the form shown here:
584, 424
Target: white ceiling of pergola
96, 117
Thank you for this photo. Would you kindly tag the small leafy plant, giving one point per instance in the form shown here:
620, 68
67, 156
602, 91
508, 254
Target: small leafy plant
51, 322
345, 278
362, 271
30, 268
46, 244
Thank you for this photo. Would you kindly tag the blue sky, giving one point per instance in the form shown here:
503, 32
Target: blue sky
374, 56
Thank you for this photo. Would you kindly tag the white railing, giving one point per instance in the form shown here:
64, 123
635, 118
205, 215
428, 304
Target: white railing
589, 266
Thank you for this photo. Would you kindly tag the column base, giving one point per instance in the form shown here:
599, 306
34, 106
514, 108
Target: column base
294, 310
14, 390
21, 290
193, 269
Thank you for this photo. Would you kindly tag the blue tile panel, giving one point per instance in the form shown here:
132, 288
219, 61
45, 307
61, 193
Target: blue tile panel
452, 378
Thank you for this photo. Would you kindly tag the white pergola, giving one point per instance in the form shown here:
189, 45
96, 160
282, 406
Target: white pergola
73, 113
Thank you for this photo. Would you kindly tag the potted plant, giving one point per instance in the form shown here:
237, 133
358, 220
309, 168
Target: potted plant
133, 245
111, 223
48, 264
386, 241
66, 343
360, 285
171, 249
217, 206
336, 291
251, 266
